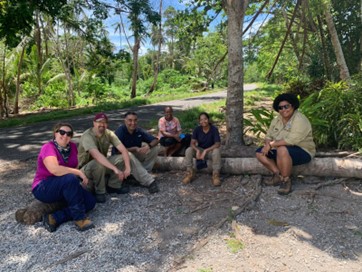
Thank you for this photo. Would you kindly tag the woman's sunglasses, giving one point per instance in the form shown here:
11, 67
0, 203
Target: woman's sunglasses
63, 132
287, 106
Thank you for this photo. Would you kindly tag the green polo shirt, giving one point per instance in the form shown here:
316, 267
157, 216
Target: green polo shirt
90, 141
298, 131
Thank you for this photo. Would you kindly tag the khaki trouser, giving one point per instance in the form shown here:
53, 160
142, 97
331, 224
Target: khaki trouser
139, 172
214, 155
148, 160
96, 173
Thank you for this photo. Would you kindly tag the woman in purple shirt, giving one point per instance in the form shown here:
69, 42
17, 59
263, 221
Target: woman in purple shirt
58, 179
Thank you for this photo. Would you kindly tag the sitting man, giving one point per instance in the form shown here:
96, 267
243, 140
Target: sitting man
143, 148
92, 156
170, 133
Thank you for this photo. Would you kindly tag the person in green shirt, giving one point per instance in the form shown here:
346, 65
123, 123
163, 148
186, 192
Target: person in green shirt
288, 142
93, 161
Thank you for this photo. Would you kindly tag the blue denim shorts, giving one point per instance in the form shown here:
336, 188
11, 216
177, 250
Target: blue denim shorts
299, 155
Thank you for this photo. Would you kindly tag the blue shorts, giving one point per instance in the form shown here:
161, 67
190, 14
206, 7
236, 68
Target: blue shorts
299, 155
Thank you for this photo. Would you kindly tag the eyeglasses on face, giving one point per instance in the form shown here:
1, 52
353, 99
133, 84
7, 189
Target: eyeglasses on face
63, 132
287, 106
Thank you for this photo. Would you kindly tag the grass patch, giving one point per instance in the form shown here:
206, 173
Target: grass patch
58, 114
205, 269
234, 245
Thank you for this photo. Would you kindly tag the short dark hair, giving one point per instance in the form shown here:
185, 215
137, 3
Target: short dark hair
207, 116
168, 107
129, 113
291, 98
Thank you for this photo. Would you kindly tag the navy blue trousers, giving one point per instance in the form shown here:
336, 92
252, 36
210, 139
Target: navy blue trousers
67, 189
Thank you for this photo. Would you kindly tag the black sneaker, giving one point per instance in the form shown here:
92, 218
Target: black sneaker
153, 188
123, 190
100, 198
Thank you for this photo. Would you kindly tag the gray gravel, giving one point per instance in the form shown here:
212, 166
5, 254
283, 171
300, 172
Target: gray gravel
177, 229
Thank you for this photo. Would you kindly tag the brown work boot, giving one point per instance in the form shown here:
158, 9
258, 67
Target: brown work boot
189, 176
216, 179
274, 181
285, 186
84, 224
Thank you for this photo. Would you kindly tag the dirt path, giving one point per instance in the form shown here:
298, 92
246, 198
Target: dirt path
19, 143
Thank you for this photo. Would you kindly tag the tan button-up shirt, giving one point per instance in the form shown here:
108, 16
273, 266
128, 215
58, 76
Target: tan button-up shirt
298, 131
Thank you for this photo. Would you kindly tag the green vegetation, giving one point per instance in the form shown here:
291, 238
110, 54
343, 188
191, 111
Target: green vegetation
67, 113
58, 59
209, 269
234, 245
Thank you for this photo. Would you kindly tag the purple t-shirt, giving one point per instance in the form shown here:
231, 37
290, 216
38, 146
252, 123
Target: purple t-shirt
49, 149
205, 140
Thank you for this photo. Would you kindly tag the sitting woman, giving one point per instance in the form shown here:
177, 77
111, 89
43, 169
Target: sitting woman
205, 141
58, 179
288, 142
170, 133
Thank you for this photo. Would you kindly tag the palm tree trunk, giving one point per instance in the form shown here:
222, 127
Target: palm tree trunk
157, 63
16, 102
343, 69
136, 48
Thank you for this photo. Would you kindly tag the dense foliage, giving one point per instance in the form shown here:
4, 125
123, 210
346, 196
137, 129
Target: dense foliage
58, 54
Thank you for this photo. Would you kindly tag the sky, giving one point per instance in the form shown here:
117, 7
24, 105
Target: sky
120, 41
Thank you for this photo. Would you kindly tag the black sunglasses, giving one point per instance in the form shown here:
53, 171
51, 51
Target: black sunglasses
287, 106
62, 132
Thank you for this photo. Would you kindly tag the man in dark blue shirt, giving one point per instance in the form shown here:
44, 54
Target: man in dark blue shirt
143, 149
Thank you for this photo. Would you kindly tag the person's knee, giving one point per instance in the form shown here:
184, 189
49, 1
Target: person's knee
71, 179
282, 152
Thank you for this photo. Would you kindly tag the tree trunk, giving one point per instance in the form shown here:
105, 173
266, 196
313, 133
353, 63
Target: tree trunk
343, 69
326, 60
16, 102
157, 63
235, 10
37, 38
2, 88
136, 48
332, 167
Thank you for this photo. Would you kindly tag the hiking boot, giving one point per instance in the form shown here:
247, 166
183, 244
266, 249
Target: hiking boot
100, 198
49, 223
285, 186
216, 179
84, 224
274, 181
189, 176
123, 190
153, 188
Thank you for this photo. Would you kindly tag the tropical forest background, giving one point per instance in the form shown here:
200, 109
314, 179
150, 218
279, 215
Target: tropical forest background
57, 54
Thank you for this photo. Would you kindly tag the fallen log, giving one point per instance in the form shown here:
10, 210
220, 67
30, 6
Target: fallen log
330, 167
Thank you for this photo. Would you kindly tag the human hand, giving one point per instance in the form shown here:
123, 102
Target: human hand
144, 149
265, 150
119, 174
198, 155
84, 179
127, 173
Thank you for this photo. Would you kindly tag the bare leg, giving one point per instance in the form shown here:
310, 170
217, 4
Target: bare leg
173, 149
268, 163
284, 161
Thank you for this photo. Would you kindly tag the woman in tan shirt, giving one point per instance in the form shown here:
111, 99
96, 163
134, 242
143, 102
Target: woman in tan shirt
288, 142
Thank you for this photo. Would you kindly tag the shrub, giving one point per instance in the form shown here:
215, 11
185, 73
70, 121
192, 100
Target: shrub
335, 113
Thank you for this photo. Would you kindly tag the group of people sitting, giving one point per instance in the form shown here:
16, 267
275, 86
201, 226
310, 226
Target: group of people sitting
81, 175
